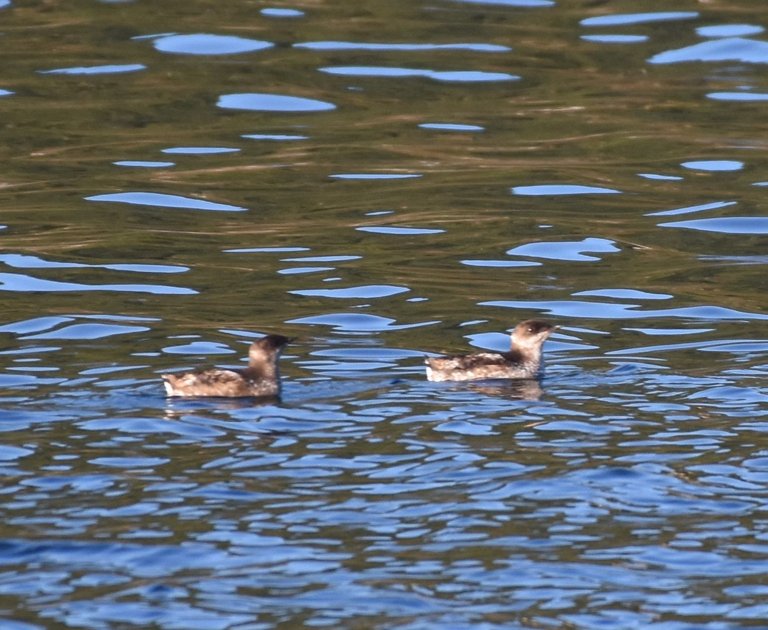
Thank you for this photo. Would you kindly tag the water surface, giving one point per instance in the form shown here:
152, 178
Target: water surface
384, 180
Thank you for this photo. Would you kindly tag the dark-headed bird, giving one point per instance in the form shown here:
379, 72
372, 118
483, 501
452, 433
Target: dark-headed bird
261, 378
522, 361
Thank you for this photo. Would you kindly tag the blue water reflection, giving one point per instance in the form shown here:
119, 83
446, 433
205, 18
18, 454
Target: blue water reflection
726, 225
69, 327
199, 150
615, 39
562, 189
105, 69
451, 127
474, 262
266, 250
198, 348
334, 45
357, 322
274, 136
375, 175
33, 325
713, 165
398, 230
729, 30
624, 294
611, 310
660, 177
303, 270
715, 205
305, 259
512, 3
725, 49
26, 283
367, 291
24, 261
143, 164
624, 19
738, 96
279, 12
12, 453
88, 331
471, 76
164, 200
272, 103
207, 44
576, 251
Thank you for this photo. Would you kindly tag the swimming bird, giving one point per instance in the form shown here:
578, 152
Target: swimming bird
260, 378
522, 361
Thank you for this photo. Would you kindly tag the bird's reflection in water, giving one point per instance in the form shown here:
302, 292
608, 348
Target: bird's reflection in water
176, 408
204, 413
514, 389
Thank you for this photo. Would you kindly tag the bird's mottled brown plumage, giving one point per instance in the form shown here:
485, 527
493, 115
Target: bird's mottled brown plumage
260, 378
522, 361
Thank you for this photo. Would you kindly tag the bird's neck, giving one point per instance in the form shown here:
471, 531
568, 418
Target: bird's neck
263, 368
526, 356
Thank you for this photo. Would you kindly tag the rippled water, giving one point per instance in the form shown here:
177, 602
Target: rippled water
384, 180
